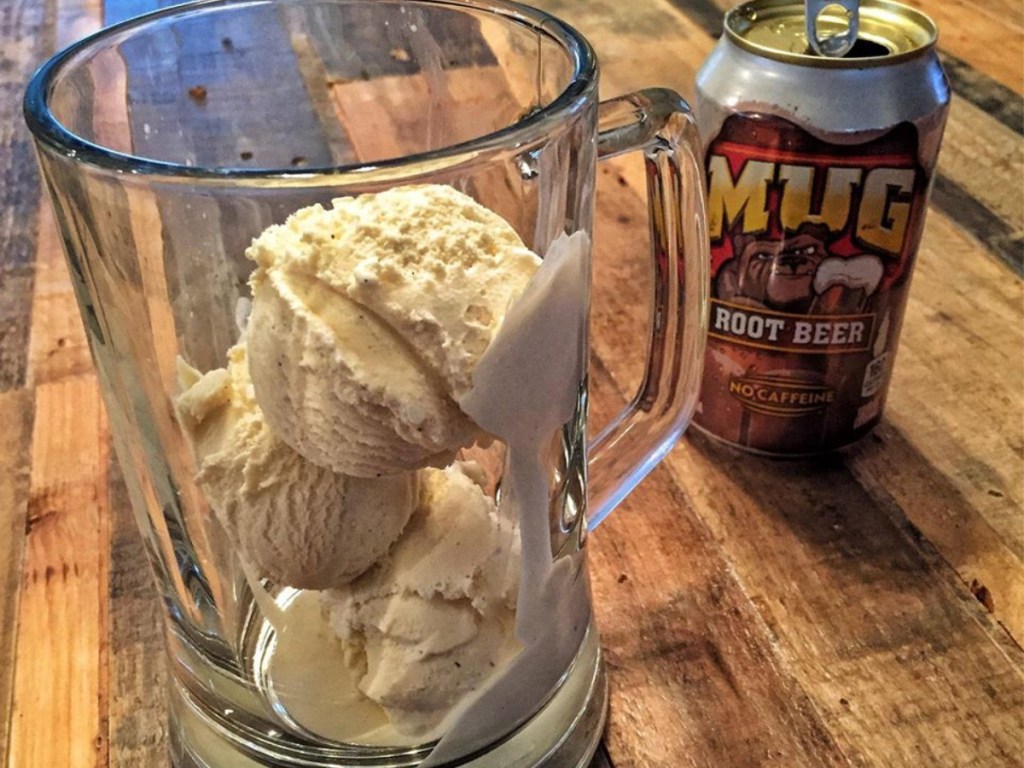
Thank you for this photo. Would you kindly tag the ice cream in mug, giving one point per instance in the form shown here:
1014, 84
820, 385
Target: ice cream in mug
388, 334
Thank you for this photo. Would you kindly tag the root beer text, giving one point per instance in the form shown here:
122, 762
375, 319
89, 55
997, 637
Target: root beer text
825, 334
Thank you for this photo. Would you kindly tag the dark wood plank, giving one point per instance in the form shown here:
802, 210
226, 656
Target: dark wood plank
891, 646
26, 29
137, 669
999, 237
15, 441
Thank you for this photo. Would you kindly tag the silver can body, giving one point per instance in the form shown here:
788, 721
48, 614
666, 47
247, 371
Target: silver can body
818, 177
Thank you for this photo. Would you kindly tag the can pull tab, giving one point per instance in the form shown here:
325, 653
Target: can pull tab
836, 43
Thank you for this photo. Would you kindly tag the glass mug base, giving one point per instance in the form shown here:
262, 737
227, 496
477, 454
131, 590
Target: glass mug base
564, 733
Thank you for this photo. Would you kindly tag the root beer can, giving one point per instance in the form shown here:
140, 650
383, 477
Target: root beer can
818, 173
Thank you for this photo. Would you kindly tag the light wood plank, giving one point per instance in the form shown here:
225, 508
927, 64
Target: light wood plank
57, 344
59, 713
384, 116
639, 45
961, 478
987, 159
990, 36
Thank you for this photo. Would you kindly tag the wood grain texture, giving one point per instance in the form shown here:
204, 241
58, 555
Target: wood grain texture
855, 603
863, 609
951, 391
1003, 104
27, 33
950, 317
689, 658
859, 609
137, 670
57, 345
674, 42
59, 713
963, 25
986, 157
15, 464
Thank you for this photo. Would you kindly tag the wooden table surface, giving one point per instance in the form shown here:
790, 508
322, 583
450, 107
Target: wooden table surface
861, 609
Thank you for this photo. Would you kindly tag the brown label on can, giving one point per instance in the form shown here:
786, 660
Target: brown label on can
812, 246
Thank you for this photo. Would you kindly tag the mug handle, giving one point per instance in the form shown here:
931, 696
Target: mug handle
659, 122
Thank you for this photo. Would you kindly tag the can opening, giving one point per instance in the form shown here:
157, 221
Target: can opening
865, 49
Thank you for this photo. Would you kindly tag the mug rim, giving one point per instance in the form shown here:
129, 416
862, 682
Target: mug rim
49, 131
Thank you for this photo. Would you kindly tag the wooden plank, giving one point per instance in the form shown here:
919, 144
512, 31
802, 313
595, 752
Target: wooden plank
245, 115
138, 677
62, 620
27, 38
1002, 103
75, 19
685, 647
999, 239
57, 343
977, 185
964, 23
15, 441
152, 304
962, 485
987, 159
58, 667
676, 40
903, 663
384, 116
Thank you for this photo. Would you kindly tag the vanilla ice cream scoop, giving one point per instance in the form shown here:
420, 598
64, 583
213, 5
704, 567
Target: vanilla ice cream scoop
435, 619
299, 524
368, 319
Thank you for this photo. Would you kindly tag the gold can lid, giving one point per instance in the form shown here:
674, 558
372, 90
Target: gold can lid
888, 32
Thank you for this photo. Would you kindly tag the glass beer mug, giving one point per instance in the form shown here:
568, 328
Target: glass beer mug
333, 259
